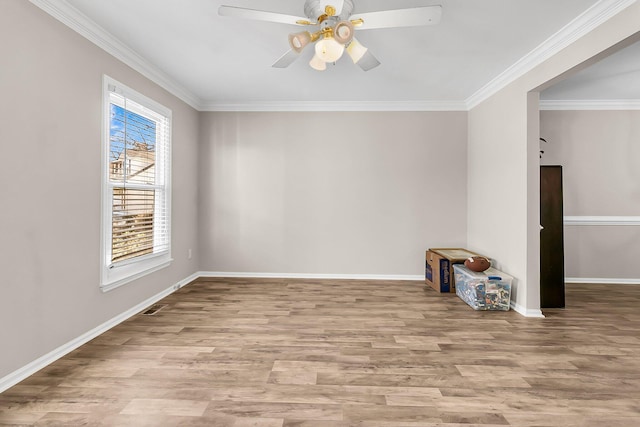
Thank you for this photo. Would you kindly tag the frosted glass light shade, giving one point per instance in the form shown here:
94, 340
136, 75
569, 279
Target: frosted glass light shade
329, 50
356, 51
343, 32
317, 64
299, 41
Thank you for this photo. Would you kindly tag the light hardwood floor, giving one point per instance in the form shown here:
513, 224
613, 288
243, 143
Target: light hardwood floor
307, 353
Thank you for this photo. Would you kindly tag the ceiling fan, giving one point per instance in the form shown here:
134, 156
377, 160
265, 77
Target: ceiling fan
335, 25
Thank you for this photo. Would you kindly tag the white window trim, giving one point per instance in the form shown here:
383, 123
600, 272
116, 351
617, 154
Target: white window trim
115, 275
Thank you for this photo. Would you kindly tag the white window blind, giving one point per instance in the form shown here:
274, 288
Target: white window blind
136, 199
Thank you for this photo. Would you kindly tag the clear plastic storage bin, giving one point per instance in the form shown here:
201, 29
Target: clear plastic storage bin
488, 290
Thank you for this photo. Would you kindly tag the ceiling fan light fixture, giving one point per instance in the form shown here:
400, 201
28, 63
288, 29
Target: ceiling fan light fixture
317, 64
356, 51
343, 32
329, 50
298, 41
368, 61
337, 24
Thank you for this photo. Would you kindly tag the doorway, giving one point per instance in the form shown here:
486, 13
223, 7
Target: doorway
591, 124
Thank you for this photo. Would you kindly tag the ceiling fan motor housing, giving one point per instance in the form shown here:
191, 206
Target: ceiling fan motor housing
313, 9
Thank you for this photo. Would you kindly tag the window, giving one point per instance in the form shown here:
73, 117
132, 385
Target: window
136, 232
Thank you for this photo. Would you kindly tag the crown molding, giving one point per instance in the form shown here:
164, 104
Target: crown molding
596, 15
302, 106
590, 104
80, 23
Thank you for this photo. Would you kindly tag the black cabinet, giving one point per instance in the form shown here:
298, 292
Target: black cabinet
551, 238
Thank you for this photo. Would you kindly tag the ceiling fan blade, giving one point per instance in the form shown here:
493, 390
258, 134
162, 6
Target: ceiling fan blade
428, 15
287, 59
260, 15
368, 61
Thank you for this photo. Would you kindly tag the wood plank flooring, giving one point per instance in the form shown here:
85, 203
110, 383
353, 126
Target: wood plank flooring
306, 353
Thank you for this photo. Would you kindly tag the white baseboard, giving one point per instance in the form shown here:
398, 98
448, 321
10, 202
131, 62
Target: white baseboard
526, 312
309, 276
601, 281
33, 367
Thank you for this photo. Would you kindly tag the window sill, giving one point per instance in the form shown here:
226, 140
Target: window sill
113, 280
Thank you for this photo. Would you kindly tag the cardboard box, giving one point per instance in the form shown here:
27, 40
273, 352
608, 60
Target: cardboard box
439, 267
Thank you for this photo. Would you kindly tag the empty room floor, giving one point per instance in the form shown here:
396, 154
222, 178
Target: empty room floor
311, 353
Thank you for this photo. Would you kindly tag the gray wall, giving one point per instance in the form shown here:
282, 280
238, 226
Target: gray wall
330, 193
600, 155
498, 184
51, 86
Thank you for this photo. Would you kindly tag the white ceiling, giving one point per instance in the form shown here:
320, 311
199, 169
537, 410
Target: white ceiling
221, 62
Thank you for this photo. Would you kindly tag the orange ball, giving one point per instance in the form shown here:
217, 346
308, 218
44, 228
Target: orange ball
477, 263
